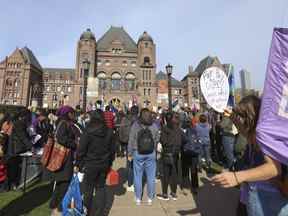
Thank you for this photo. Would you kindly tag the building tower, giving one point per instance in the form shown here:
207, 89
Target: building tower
245, 81
147, 69
86, 49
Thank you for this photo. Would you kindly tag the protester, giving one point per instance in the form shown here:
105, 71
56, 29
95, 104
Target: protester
124, 131
6, 130
143, 139
43, 128
228, 140
19, 142
94, 157
66, 138
191, 151
203, 133
171, 140
263, 175
109, 118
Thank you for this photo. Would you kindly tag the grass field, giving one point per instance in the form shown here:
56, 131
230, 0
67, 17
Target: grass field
34, 202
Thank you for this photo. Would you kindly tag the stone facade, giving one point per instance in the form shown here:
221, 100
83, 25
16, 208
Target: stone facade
21, 79
121, 71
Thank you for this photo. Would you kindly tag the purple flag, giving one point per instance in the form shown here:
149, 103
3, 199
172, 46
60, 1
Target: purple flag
272, 129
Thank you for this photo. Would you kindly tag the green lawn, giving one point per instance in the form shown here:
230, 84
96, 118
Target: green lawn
34, 202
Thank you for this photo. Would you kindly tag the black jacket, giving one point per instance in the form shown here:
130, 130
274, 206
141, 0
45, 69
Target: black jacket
171, 140
96, 148
66, 137
19, 141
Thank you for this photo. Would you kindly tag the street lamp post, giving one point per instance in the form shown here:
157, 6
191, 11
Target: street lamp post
169, 68
86, 67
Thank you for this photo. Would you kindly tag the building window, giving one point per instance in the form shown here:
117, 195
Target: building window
180, 91
48, 88
9, 83
146, 45
149, 74
149, 92
130, 81
107, 63
102, 80
69, 89
133, 63
99, 62
146, 60
81, 72
144, 92
143, 74
116, 81
124, 63
58, 88
81, 90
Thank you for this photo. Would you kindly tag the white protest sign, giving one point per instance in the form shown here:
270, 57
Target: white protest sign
215, 88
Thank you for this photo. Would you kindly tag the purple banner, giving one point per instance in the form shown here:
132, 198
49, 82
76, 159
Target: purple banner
272, 129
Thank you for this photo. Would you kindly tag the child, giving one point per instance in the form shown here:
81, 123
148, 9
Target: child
203, 130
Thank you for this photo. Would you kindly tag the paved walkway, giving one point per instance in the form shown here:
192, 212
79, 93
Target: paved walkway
210, 201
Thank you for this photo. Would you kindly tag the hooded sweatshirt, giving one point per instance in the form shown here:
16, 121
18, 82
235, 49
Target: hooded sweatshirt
96, 147
136, 127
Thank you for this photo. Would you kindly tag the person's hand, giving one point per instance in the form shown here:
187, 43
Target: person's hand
227, 112
226, 179
76, 169
130, 158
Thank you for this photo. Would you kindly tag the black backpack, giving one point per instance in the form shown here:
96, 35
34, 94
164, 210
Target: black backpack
145, 141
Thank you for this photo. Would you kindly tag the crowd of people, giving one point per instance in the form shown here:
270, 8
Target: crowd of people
170, 146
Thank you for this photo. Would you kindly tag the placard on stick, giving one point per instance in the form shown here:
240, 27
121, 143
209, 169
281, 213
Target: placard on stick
215, 88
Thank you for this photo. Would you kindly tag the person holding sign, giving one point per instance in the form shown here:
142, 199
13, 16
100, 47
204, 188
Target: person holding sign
261, 179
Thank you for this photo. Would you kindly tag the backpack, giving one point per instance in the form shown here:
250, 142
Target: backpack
124, 129
145, 141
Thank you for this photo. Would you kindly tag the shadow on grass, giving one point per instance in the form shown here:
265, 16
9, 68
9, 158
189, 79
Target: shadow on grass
27, 202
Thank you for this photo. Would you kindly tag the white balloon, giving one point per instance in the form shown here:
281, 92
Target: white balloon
215, 88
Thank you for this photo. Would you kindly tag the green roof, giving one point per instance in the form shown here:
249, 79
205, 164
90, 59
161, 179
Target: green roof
116, 34
174, 82
30, 58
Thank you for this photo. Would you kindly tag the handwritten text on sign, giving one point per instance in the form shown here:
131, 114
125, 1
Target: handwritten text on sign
215, 88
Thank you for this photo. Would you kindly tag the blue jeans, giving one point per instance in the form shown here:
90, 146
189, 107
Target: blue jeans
228, 144
266, 203
147, 164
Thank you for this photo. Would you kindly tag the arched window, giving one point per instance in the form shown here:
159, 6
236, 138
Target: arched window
116, 81
130, 81
102, 80
9, 83
146, 60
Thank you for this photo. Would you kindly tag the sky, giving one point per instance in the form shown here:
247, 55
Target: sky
185, 31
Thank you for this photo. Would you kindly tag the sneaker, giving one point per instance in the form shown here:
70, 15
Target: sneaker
138, 202
163, 197
130, 189
174, 197
149, 202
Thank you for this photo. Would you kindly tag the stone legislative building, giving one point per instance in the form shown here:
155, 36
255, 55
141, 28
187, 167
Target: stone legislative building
121, 72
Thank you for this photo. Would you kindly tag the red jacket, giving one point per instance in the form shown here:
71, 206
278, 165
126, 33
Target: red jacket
3, 171
109, 119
